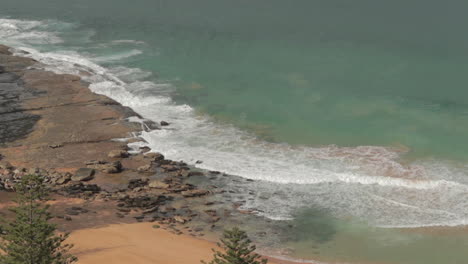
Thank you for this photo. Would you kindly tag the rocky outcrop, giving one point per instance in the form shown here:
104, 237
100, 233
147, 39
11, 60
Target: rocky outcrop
66, 133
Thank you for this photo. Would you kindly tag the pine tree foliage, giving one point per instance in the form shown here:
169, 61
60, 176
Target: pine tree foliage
238, 249
30, 238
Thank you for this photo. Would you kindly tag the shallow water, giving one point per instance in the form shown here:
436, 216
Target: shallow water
356, 108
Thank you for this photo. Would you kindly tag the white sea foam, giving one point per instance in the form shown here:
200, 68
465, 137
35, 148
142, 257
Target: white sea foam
366, 182
118, 56
14, 31
128, 41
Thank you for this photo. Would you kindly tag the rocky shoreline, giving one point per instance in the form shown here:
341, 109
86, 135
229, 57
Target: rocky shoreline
53, 125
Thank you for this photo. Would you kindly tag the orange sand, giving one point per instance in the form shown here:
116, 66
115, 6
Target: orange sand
138, 244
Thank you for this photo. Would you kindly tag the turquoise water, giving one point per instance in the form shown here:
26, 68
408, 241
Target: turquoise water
359, 107
309, 72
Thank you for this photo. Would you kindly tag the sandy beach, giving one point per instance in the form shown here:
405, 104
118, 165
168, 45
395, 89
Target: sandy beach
137, 243
141, 243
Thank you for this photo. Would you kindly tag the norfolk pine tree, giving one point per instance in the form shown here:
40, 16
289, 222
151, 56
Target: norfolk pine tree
238, 249
30, 238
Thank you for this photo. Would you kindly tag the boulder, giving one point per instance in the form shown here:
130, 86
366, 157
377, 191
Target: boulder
135, 183
113, 167
83, 174
158, 184
144, 168
62, 179
118, 154
154, 156
164, 123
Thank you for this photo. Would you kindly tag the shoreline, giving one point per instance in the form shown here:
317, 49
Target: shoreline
65, 130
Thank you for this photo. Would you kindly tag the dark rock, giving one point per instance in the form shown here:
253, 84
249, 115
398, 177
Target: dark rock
145, 149
149, 125
114, 167
169, 167
95, 162
196, 173
164, 123
79, 188
134, 183
83, 174
144, 201
195, 193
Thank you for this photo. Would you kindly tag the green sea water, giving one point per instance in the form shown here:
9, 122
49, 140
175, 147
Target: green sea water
304, 73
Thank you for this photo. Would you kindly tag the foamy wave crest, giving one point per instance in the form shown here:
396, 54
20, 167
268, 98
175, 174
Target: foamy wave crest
14, 31
366, 182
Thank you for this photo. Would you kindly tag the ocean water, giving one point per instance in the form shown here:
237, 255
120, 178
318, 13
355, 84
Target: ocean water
357, 108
